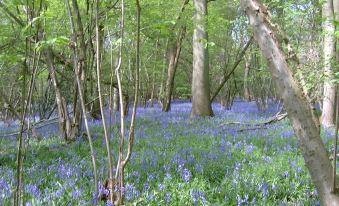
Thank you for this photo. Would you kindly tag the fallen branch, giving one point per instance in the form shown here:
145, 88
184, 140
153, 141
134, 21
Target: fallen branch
251, 128
276, 118
35, 126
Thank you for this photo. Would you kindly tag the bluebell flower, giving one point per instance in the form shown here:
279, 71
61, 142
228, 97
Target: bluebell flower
146, 186
167, 167
4, 187
76, 194
103, 191
314, 193
161, 187
267, 159
223, 148
288, 134
265, 190
168, 176
199, 168
249, 149
34, 190
186, 175
152, 197
168, 197
131, 192
109, 203
299, 170
198, 196
152, 177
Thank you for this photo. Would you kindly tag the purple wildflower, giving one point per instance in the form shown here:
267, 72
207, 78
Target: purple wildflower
186, 175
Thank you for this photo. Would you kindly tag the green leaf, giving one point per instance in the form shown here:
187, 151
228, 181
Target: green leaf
31, 23
337, 34
212, 44
61, 41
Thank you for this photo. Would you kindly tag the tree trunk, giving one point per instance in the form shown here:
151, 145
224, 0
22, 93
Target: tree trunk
153, 88
174, 53
115, 99
162, 87
201, 104
125, 104
246, 74
64, 121
336, 16
302, 117
82, 61
329, 55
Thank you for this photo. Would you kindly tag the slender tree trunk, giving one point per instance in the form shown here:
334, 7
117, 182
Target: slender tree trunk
162, 87
64, 121
136, 96
174, 53
246, 74
329, 55
153, 88
336, 16
81, 98
154, 74
102, 111
18, 200
9, 100
201, 104
119, 176
115, 99
302, 117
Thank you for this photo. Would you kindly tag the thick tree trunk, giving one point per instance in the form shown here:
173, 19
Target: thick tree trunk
82, 61
304, 121
329, 55
174, 53
201, 104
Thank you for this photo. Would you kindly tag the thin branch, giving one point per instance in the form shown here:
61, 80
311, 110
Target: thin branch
235, 65
13, 16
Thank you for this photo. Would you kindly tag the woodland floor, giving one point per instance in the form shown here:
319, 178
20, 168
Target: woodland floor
176, 161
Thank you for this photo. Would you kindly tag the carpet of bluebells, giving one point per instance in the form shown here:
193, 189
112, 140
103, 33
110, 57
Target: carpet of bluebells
176, 161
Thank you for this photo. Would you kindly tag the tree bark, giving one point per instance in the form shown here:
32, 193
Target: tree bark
162, 87
174, 53
82, 61
329, 55
115, 99
64, 121
247, 96
303, 119
201, 104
